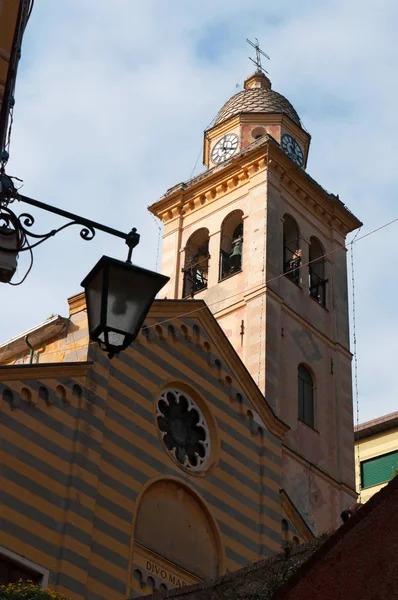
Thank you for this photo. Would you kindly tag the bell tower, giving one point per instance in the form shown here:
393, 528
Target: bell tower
263, 244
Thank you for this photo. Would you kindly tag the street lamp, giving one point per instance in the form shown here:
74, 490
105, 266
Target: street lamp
118, 296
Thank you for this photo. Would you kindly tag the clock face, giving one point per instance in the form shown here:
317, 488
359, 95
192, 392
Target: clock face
292, 149
225, 148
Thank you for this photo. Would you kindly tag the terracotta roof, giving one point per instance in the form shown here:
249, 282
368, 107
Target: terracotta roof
378, 425
257, 100
370, 534
38, 335
255, 581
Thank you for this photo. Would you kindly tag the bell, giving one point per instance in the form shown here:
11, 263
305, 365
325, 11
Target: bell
235, 259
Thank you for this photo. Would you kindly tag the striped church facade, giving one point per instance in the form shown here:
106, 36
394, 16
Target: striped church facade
92, 500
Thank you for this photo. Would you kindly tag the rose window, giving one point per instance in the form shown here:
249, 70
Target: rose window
183, 429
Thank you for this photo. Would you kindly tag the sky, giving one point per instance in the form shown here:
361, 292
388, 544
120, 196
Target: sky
111, 103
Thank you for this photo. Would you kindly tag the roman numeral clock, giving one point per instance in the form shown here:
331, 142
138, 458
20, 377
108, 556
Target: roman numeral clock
225, 148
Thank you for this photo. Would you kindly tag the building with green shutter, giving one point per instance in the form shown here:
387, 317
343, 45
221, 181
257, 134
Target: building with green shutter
376, 454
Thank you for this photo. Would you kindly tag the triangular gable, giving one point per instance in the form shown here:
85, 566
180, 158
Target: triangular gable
167, 312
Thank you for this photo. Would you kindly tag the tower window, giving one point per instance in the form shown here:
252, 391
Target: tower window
196, 265
258, 132
305, 396
231, 244
291, 249
317, 281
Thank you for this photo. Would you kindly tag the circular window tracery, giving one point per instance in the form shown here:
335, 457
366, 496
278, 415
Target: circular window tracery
183, 428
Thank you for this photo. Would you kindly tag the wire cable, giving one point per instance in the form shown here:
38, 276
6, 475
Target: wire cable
159, 238
29, 12
237, 85
29, 268
263, 295
355, 353
344, 247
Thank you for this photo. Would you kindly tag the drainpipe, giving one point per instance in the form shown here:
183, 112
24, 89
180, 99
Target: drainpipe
32, 350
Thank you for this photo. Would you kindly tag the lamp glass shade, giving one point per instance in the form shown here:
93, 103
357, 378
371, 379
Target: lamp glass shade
118, 296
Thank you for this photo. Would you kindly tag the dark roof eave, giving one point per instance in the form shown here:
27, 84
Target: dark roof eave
43, 365
376, 426
44, 370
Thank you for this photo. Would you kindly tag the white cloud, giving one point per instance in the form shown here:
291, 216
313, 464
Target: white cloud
112, 100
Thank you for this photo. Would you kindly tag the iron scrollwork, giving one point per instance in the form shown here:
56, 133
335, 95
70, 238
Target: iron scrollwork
19, 226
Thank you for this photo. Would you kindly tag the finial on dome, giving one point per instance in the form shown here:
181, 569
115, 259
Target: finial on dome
259, 53
257, 80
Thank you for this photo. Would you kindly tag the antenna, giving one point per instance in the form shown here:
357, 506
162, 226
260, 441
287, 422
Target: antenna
259, 53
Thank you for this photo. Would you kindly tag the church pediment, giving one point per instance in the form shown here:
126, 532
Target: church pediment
191, 324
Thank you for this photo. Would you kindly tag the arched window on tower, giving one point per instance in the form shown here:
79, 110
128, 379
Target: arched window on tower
196, 264
305, 396
291, 249
317, 283
231, 244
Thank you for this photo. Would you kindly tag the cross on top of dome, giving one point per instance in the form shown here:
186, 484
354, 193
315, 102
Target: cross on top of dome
259, 53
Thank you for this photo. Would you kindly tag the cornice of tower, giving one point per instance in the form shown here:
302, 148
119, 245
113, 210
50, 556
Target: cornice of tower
212, 184
262, 155
313, 197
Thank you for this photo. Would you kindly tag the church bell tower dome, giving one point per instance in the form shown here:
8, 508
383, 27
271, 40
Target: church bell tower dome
255, 111
257, 97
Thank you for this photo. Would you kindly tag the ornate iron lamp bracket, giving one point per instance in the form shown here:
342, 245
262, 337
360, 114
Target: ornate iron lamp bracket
27, 239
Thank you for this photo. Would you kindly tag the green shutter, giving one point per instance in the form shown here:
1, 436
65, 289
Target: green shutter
379, 469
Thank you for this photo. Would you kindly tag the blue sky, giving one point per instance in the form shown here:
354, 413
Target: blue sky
112, 100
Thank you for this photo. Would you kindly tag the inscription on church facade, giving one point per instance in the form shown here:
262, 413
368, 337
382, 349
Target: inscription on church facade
165, 574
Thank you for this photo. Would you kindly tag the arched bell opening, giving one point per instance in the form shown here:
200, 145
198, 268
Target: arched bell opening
291, 249
316, 267
196, 266
231, 247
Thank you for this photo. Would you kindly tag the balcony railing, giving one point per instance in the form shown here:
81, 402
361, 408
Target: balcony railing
195, 277
317, 287
291, 267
